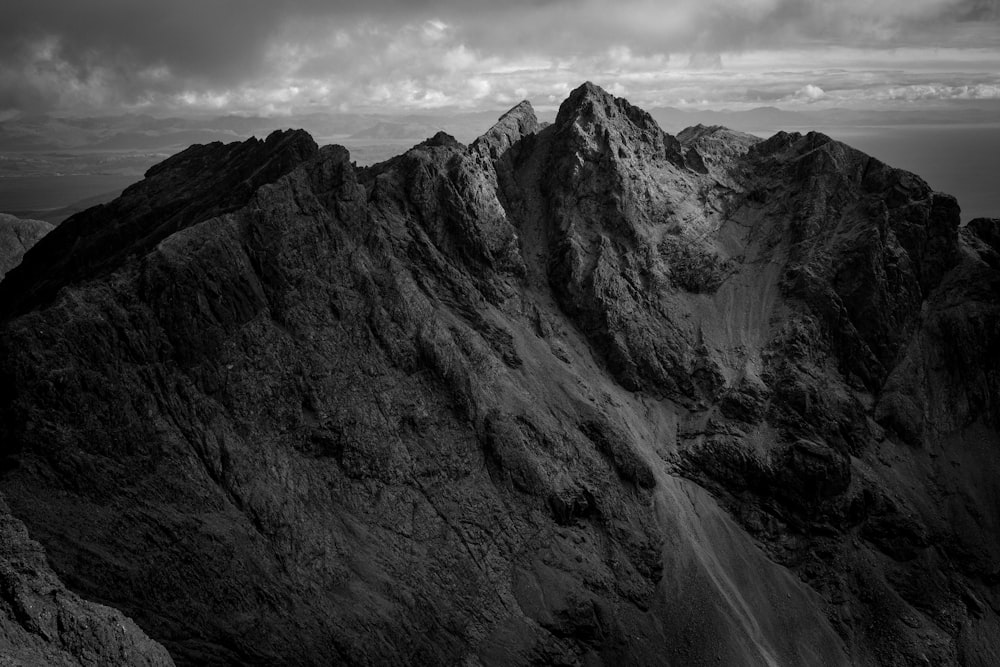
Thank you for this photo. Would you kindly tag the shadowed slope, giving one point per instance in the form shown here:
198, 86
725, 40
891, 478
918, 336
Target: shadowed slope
194, 185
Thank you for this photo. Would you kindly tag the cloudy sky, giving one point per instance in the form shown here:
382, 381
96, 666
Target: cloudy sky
268, 57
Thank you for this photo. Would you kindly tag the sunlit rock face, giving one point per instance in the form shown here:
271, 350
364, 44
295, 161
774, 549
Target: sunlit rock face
584, 393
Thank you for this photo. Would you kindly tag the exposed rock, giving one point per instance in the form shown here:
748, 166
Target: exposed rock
577, 394
16, 238
513, 126
42, 623
983, 236
988, 230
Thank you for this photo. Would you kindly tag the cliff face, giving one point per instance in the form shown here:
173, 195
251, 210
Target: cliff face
587, 393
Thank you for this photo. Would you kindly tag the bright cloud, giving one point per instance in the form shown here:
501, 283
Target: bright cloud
810, 93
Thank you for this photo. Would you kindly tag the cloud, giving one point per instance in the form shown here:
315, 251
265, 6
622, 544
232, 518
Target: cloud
263, 55
939, 91
810, 93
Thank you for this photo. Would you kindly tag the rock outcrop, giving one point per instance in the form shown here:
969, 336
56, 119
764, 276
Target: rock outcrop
583, 393
17, 235
42, 623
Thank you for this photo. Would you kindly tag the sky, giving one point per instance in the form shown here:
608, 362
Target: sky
189, 57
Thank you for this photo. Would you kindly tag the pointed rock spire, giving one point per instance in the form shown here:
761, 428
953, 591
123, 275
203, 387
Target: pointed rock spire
516, 123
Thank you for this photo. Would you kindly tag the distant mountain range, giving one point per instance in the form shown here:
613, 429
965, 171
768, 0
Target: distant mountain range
142, 132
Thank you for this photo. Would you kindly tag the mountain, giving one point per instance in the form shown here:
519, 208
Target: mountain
583, 393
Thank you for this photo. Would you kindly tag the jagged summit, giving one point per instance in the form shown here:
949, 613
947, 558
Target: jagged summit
544, 399
587, 93
715, 150
692, 134
517, 123
592, 122
591, 104
521, 110
440, 139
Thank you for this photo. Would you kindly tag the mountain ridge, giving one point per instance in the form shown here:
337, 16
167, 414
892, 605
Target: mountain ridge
577, 393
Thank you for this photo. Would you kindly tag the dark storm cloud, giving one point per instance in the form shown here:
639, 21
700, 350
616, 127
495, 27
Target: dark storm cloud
111, 52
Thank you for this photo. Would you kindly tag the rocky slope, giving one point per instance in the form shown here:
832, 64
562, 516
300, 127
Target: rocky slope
42, 623
16, 237
579, 394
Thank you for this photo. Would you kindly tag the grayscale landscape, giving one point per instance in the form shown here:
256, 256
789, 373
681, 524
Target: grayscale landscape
467, 333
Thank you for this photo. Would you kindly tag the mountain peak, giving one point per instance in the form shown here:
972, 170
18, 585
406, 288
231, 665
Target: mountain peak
519, 121
585, 96
596, 106
520, 111
441, 139
594, 122
589, 89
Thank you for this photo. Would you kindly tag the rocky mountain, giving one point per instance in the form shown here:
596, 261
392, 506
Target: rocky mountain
16, 237
580, 394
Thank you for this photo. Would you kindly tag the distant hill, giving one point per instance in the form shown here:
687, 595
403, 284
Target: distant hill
392, 130
55, 216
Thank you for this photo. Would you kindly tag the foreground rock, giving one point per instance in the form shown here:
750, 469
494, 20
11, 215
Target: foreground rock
42, 623
579, 394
